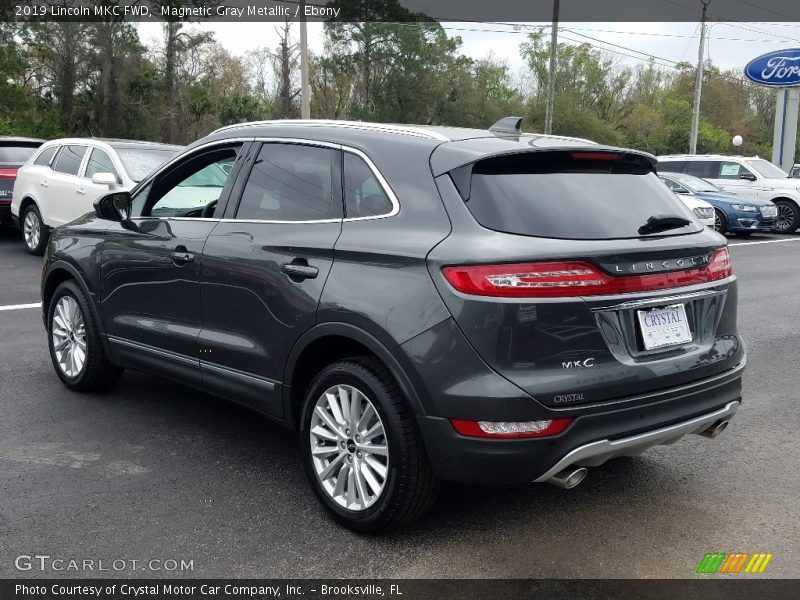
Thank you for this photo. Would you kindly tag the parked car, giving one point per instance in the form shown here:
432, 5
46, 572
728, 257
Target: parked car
14, 151
419, 303
63, 179
732, 213
702, 209
753, 177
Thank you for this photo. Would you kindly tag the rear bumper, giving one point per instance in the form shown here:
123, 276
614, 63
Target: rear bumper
5, 211
589, 441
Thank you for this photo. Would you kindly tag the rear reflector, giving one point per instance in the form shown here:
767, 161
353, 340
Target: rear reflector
520, 429
6, 173
571, 279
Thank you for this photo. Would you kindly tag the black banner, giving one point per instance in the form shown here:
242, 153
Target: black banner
398, 589
515, 11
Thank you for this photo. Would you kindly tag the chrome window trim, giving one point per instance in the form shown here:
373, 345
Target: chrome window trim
281, 140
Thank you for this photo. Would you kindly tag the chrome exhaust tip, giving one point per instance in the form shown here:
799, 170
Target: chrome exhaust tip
715, 429
569, 477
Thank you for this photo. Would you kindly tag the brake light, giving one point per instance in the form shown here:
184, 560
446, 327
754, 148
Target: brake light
609, 156
515, 429
8, 173
574, 278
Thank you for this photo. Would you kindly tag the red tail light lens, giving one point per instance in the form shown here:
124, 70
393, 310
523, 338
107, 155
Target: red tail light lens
571, 279
7, 173
517, 429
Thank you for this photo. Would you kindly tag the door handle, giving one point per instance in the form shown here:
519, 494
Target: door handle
181, 256
298, 271
43, 184
80, 192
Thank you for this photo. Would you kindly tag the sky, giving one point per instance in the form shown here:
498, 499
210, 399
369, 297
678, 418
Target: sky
730, 45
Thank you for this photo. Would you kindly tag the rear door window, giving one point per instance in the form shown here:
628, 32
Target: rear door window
69, 159
704, 169
291, 183
569, 195
672, 166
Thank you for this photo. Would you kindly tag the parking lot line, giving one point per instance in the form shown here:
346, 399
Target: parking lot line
797, 239
20, 306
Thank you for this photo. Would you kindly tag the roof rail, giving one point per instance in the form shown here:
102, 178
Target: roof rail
511, 125
383, 127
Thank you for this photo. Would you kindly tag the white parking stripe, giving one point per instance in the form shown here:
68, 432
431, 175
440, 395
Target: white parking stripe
797, 239
20, 306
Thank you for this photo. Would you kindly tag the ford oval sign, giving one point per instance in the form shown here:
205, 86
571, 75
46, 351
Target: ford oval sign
777, 69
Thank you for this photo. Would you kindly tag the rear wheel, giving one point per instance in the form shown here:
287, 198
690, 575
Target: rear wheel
720, 222
788, 216
34, 232
361, 448
74, 342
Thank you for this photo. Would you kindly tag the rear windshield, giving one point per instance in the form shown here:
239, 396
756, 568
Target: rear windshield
16, 154
570, 195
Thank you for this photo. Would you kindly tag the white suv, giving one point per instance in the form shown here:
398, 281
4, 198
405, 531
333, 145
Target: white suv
750, 177
62, 180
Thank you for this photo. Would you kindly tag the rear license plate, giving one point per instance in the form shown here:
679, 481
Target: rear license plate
662, 327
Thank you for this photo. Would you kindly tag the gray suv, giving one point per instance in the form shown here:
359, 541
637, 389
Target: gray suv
418, 303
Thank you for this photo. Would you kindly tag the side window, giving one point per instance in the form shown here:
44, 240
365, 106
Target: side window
674, 186
100, 162
363, 194
43, 160
290, 182
69, 159
189, 189
672, 166
732, 170
704, 169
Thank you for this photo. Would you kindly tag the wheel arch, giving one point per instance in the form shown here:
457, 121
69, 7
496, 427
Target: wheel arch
332, 341
57, 273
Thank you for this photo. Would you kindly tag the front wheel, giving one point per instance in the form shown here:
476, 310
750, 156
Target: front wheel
74, 342
361, 448
788, 216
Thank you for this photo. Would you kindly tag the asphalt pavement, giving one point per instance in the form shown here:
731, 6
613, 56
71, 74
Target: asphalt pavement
155, 471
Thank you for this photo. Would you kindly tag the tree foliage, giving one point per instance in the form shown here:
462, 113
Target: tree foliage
100, 79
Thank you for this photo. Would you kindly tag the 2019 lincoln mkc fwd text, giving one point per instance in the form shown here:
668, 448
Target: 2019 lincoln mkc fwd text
419, 303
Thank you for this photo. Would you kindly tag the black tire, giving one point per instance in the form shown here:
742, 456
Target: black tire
720, 221
44, 234
97, 372
788, 215
410, 487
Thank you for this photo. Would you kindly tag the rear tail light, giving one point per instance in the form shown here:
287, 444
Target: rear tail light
6, 173
515, 429
572, 279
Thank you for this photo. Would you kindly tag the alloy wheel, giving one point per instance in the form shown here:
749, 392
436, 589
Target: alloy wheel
69, 336
31, 230
785, 219
717, 222
349, 449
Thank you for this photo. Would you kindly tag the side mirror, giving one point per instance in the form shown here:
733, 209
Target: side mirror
113, 207
747, 176
108, 179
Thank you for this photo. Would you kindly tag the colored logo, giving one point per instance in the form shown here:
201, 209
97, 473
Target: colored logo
780, 68
734, 562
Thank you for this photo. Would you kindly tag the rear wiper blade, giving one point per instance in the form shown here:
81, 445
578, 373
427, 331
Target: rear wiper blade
658, 223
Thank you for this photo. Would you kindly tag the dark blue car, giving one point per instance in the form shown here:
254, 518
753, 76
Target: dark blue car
733, 213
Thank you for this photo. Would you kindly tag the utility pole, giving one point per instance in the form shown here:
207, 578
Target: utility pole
305, 92
698, 86
551, 75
